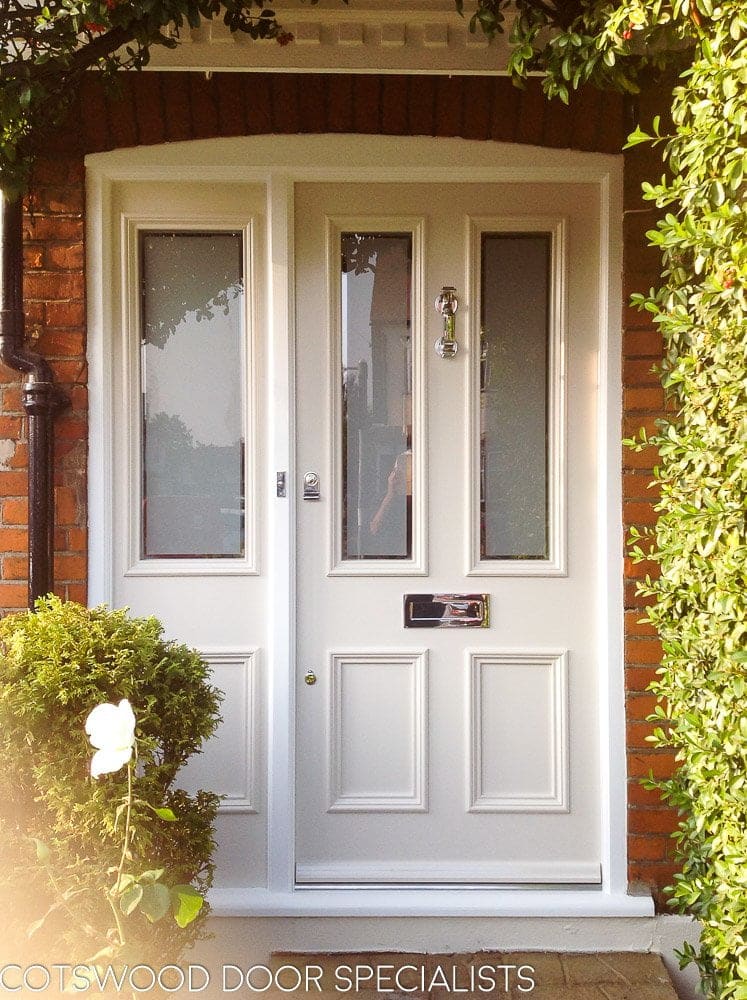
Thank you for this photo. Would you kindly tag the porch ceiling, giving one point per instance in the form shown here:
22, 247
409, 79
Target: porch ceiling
366, 36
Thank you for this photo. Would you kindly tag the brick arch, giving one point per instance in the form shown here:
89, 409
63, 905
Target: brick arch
152, 108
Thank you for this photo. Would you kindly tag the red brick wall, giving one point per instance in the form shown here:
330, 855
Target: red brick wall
649, 823
154, 108
55, 327
165, 107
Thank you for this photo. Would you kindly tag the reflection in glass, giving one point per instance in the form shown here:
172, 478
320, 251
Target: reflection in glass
375, 289
192, 309
515, 287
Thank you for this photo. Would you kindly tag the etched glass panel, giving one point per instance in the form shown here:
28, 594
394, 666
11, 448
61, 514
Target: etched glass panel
192, 330
375, 290
515, 289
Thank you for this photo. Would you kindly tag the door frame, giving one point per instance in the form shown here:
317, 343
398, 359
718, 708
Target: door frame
279, 162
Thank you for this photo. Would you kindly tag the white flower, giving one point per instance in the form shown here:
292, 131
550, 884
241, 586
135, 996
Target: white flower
111, 729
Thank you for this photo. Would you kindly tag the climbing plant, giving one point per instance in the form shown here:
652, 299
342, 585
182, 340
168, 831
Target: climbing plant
700, 542
46, 46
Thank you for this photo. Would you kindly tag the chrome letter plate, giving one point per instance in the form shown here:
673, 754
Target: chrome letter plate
447, 610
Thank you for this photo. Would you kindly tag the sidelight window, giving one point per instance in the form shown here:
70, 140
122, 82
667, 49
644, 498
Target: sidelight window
192, 329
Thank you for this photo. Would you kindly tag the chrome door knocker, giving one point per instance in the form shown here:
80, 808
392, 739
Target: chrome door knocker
447, 304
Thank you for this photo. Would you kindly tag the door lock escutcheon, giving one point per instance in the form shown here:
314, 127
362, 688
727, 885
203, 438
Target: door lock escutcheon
311, 486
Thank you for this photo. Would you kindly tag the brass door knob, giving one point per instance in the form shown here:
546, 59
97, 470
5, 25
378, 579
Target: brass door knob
310, 677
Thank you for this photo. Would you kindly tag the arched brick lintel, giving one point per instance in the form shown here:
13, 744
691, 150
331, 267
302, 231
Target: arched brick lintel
152, 107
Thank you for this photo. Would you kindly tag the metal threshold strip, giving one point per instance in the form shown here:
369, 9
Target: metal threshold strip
448, 875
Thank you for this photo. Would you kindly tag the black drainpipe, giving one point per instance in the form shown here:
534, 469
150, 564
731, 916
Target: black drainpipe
41, 398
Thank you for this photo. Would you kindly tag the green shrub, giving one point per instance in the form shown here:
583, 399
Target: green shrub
56, 665
699, 605
700, 540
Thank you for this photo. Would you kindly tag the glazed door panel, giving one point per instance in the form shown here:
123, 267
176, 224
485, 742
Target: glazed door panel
447, 755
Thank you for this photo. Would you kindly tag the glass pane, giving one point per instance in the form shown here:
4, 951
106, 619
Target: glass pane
515, 286
375, 289
192, 289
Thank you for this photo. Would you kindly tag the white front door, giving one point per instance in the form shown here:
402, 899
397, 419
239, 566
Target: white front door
237, 310
448, 488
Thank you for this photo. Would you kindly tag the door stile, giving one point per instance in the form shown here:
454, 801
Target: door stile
281, 437
611, 540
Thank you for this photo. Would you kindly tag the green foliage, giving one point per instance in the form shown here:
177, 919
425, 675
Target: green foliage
61, 831
573, 42
700, 541
46, 46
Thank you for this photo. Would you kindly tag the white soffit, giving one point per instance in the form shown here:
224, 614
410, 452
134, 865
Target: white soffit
364, 36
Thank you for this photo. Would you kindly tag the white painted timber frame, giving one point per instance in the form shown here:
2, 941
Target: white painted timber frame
279, 162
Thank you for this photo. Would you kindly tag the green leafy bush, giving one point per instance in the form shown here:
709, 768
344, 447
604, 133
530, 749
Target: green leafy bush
699, 597
61, 831
700, 541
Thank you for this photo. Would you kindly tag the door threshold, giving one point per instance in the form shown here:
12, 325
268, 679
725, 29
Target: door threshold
438, 887
428, 902
448, 874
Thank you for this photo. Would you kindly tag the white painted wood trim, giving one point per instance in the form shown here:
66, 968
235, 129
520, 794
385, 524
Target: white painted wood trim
418, 564
610, 540
100, 241
280, 438
279, 161
452, 902
457, 873
352, 157
555, 564
372, 37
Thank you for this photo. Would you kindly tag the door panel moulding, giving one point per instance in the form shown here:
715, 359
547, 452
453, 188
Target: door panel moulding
233, 751
279, 162
410, 699
543, 707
